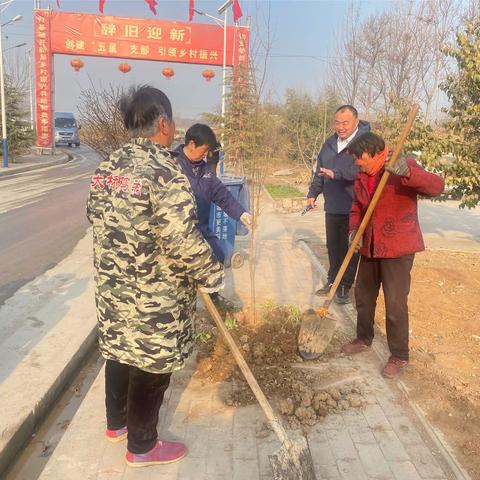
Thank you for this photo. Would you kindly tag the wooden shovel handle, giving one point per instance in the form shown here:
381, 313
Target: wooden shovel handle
371, 207
247, 373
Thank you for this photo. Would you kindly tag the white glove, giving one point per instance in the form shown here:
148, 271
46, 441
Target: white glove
208, 290
246, 219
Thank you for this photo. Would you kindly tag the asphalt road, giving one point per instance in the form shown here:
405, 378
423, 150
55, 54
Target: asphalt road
42, 217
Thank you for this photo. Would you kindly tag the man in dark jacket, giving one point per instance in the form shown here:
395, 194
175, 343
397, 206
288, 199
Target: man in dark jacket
334, 176
389, 243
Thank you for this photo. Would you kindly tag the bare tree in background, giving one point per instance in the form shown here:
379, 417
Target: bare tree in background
306, 123
16, 67
374, 33
348, 63
395, 56
18, 70
399, 66
102, 124
440, 20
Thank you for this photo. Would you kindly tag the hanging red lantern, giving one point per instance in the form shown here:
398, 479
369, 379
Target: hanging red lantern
208, 74
77, 64
168, 73
124, 67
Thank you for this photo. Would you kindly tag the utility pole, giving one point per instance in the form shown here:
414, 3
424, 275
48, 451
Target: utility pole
223, 9
30, 84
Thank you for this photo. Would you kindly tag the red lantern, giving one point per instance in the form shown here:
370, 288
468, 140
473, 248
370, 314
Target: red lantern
77, 64
208, 74
168, 73
124, 67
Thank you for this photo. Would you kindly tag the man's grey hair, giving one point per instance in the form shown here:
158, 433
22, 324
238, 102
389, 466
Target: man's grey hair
142, 108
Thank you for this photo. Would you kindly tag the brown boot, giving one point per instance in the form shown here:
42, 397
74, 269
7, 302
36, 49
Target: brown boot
355, 346
394, 367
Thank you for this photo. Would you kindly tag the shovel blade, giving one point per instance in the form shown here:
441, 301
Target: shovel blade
315, 334
294, 463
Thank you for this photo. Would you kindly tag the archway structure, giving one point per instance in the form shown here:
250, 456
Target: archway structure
125, 38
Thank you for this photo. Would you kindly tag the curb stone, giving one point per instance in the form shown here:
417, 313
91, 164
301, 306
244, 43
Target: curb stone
65, 158
12, 442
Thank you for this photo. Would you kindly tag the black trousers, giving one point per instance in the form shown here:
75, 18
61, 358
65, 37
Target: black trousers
336, 226
133, 398
394, 276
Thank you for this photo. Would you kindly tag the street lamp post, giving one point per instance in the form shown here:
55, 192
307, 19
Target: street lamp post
2, 95
29, 53
223, 9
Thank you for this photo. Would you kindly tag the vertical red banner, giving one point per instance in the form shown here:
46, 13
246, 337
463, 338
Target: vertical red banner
241, 44
43, 75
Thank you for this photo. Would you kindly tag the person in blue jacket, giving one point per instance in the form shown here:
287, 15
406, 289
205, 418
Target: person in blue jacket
334, 177
207, 188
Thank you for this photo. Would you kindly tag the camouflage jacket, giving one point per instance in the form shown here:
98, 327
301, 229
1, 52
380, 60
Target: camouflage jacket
149, 257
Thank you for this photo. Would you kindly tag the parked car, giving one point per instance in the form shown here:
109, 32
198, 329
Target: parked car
66, 129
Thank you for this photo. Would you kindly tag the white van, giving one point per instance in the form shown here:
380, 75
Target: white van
66, 129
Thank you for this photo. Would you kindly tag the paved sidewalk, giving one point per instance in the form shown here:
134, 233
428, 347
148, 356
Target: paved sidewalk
46, 329
382, 441
34, 161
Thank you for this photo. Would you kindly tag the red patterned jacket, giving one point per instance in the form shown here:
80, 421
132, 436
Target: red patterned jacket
393, 230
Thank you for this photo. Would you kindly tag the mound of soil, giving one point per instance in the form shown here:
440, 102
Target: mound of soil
270, 349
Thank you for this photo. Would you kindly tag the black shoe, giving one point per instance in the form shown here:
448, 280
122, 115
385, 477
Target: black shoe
342, 297
325, 289
222, 303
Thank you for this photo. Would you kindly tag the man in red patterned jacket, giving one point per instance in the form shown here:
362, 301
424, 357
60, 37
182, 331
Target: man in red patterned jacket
389, 243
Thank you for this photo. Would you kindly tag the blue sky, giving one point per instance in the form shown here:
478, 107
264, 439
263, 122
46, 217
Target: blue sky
303, 33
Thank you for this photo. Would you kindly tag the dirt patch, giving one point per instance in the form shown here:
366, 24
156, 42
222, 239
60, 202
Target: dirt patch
443, 379
270, 349
444, 306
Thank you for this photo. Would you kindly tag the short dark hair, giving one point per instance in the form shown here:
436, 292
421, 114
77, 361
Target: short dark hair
367, 142
201, 134
141, 109
350, 108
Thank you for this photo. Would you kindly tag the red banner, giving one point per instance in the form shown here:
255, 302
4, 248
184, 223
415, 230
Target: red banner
135, 38
120, 37
43, 74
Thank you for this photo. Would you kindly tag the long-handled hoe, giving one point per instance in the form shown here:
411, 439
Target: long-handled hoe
293, 461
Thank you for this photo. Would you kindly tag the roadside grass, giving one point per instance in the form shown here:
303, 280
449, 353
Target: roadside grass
284, 191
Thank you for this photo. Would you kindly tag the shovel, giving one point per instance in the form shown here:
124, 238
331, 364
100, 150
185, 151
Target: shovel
293, 461
316, 330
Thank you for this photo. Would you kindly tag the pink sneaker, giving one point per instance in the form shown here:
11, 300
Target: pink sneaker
394, 367
115, 436
163, 452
